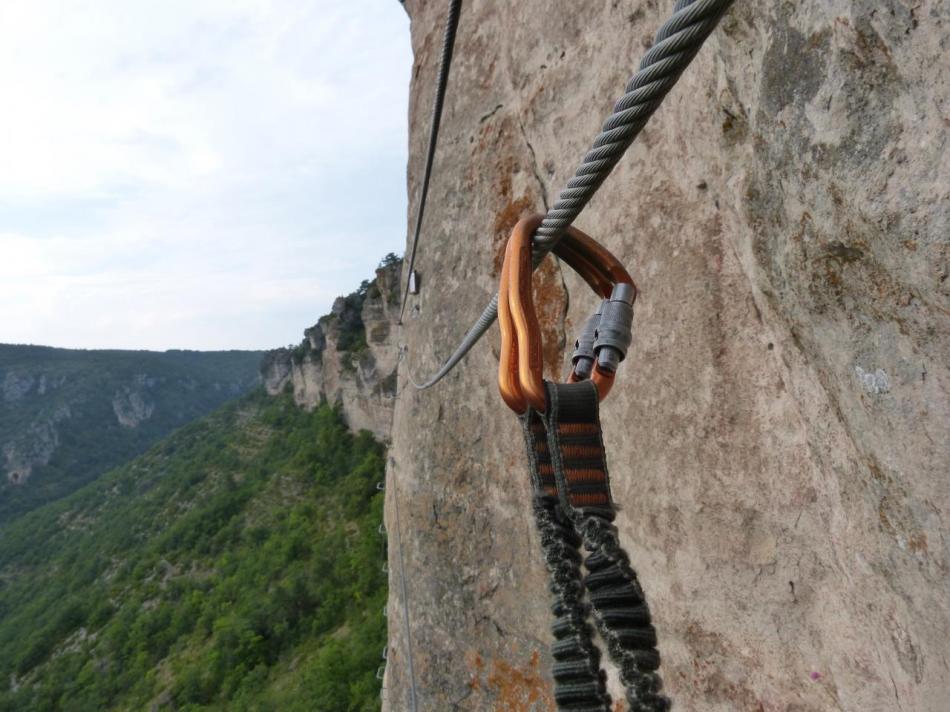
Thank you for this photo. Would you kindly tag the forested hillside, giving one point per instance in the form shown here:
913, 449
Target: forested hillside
67, 416
237, 565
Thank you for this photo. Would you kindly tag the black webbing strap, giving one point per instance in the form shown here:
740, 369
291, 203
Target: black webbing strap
579, 683
573, 506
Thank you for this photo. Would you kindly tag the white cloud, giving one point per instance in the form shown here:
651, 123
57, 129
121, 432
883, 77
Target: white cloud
183, 174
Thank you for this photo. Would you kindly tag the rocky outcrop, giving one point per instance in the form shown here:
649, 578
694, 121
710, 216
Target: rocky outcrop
348, 357
34, 447
775, 435
131, 403
16, 386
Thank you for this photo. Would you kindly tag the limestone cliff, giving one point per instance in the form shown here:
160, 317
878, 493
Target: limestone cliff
348, 357
775, 434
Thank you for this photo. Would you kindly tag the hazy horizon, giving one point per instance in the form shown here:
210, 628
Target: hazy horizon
199, 176
160, 351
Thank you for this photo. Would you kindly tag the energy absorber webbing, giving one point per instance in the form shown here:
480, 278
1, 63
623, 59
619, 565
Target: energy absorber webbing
566, 456
572, 504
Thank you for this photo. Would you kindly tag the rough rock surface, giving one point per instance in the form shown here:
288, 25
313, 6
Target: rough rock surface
34, 447
777, 436
132, 403
348, 357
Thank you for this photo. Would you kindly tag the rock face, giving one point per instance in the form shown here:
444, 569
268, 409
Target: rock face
348, 357
34, 447
132, 404
777, 435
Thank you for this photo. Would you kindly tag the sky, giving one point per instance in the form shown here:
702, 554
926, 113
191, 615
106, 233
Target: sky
201, 174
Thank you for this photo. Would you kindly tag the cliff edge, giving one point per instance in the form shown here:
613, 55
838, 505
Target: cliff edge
775, 433
348, 357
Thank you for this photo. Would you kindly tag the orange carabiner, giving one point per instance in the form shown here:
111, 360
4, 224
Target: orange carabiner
520, 371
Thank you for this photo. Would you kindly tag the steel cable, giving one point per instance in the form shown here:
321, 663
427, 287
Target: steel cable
413, 692
445, 63
676, 44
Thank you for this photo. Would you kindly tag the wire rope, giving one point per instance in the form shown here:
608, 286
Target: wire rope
445, 64
677, 42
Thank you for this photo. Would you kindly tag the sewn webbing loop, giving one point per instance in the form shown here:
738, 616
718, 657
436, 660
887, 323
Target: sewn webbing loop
572, 424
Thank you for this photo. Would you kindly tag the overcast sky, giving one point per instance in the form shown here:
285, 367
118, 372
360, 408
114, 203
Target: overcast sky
201, 174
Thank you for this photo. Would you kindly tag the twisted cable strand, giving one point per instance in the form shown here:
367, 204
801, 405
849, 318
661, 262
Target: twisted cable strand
445, 64
677, 42
413, 692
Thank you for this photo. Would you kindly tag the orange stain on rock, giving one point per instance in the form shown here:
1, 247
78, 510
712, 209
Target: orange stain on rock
496, 143
505, 221
512, 688
550, 303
